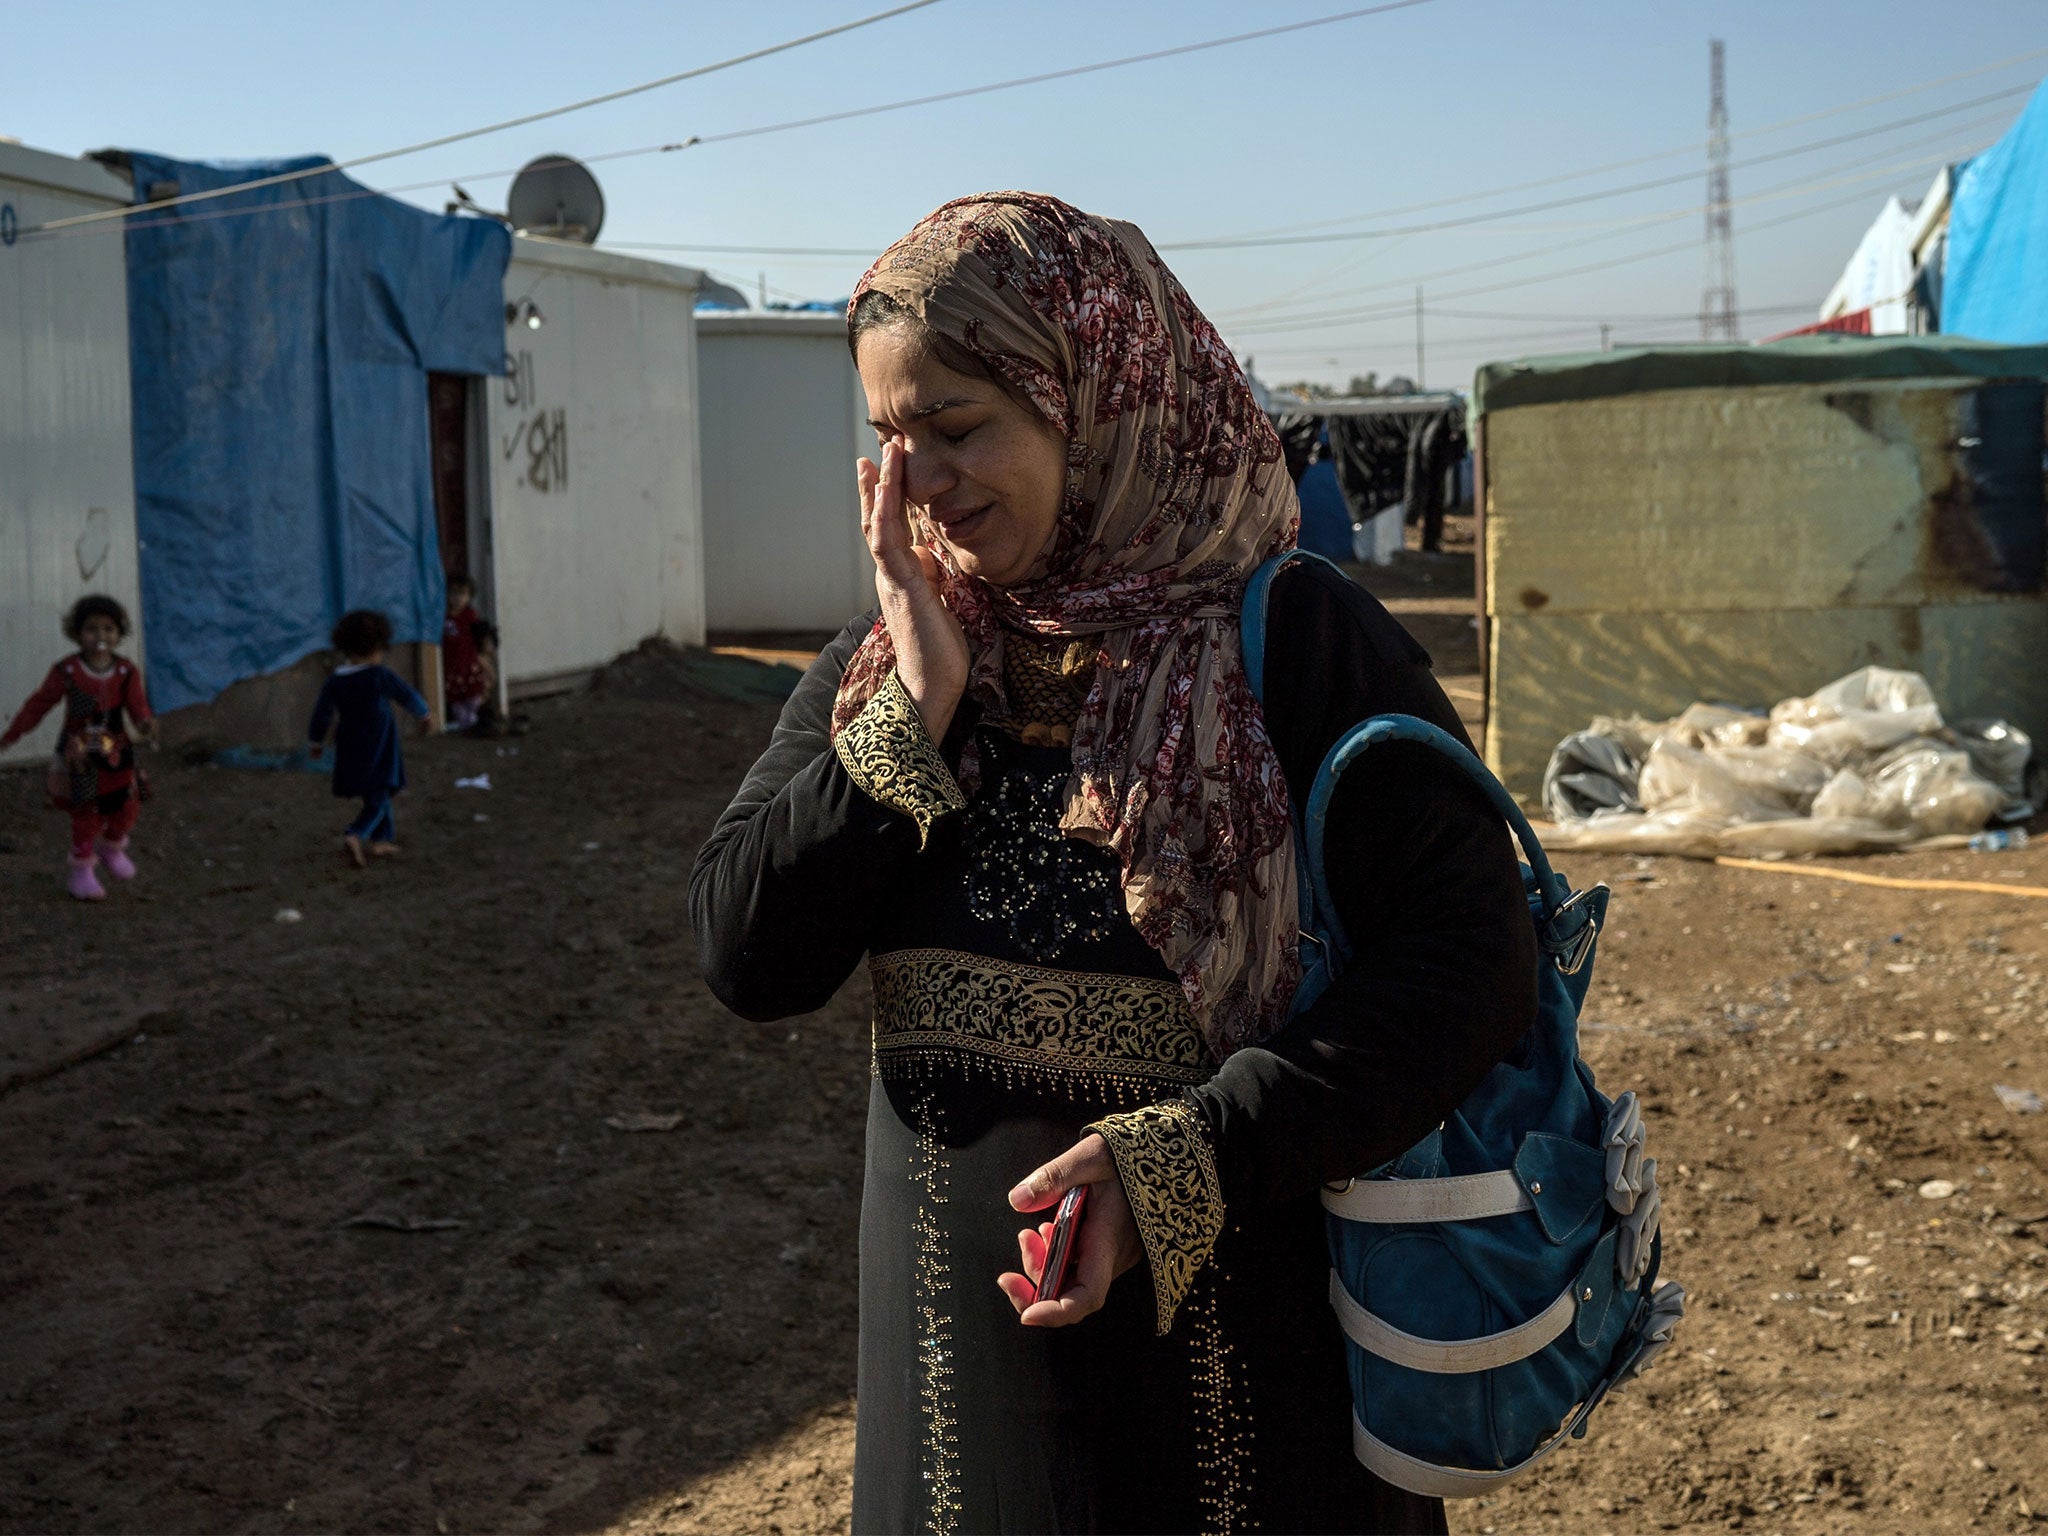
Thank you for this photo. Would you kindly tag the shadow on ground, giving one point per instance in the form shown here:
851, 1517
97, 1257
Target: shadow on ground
356, 1235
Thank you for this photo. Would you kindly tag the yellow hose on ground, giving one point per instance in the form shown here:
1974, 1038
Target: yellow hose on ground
1889, 882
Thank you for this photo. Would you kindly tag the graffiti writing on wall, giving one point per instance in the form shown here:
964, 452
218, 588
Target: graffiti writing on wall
519, 387
539, 434
546, 441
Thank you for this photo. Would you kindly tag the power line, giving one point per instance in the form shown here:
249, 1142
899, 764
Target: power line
686, 247
696, 140
1822, 182
1465, 345
1586, 323
489, 128
1040, 79
1554, 325
1459, 345
868, 250
1387, 310
739, 281
1613, 316
1382, 312
1283, 323
1234, 243
1662, 154
1598, 266
1644, 221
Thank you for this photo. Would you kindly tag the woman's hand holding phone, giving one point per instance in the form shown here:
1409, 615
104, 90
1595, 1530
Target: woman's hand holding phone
1104, 1244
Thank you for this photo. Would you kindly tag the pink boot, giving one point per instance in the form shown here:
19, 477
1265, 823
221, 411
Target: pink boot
81, 882
113, 852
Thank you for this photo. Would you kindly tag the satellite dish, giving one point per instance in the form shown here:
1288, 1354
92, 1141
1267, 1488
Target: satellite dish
558, 197
720, 296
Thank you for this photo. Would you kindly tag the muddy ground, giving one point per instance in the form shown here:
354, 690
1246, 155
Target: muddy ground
358, 1232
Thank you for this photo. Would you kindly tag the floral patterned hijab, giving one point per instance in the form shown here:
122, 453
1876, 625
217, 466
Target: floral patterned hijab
1175, 493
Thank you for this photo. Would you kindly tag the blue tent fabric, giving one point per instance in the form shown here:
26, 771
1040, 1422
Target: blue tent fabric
1995, 286
279, 345
1325, 514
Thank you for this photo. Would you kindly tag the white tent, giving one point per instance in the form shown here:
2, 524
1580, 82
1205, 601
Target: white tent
67, 487
593, 536
1879, 277
784, 418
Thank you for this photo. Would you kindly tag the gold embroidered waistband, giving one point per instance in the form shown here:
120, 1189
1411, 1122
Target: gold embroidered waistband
1044, 1021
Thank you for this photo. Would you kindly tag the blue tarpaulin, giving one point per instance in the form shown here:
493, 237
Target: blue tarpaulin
279, 345
1995, 286
1325, 514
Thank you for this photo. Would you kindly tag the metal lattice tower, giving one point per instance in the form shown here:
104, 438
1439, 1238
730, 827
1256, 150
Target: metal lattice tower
1717, 301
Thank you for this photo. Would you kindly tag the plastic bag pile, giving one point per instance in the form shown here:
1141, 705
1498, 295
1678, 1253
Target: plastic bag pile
1866, 763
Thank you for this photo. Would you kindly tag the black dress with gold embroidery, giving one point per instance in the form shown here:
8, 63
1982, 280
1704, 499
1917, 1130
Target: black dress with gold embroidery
1015, 1006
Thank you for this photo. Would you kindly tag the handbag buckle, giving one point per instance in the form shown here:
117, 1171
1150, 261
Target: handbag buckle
1570, 955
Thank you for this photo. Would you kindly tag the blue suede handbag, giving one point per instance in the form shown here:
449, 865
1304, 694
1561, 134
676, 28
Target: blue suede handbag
1499, 1278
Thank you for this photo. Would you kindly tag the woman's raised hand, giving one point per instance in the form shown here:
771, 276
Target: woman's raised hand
931, 648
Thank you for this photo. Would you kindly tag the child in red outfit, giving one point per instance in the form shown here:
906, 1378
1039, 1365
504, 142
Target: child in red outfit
93, 775
469, 656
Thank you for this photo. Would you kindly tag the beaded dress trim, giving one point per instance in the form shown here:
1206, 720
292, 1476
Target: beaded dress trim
1123, 1038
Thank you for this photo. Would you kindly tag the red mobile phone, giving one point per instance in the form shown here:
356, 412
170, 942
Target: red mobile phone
1060, 1246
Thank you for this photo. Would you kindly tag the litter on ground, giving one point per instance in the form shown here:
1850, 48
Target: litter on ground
2021, 1101
1866, 763
641, 1121
292, 760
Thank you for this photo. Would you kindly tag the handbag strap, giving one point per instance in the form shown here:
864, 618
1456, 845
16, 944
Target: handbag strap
1251, 623
1569, 922
1451, 1357
1433, 1480
1459, 1197
1380, 730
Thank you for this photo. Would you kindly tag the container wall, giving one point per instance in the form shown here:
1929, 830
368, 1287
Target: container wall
67, 490
784, 419
272, 712
1745, 545
596, 524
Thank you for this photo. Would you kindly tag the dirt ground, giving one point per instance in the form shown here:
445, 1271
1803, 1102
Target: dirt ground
458, 1205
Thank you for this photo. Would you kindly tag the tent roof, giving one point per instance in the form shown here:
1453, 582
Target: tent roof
41, 168
1824, 359
1998, 236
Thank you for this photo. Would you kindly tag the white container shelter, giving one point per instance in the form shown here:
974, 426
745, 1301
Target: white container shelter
592, 532
784, 418
67, 484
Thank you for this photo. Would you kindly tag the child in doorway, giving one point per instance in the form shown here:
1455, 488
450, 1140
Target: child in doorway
356, 702
93, 775
469, 657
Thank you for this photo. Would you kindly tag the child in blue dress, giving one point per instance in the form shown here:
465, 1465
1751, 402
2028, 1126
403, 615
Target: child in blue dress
356, 702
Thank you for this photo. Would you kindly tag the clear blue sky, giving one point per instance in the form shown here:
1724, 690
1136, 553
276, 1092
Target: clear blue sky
1447, 98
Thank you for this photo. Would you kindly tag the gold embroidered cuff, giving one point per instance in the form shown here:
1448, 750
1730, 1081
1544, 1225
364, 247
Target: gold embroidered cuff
1169, 1175
889, 754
